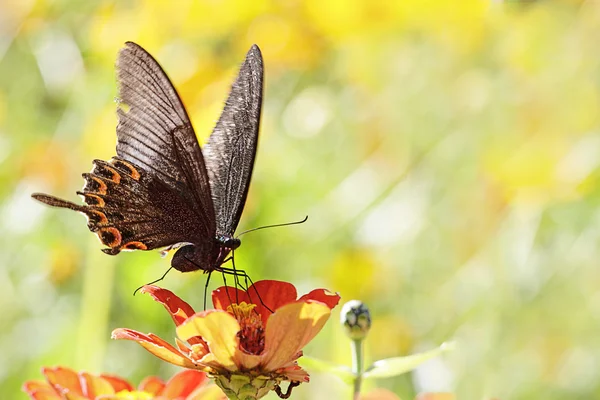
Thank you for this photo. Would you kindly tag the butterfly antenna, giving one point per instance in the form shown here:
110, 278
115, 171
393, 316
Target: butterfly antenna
158, 280
275, 226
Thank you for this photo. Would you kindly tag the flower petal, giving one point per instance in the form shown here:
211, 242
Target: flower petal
179, 309
119, 384
289, 329
247, 361
294, 373
219, 329
152, 384
326, 297
156, 346
183, 383
67, 395
198, 350
38, 390
94, 386
62, 379
225, 295
273, 294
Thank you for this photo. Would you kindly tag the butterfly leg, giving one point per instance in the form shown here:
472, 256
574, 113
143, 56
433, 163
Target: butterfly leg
236, 276
247, 278
223, 273
206, 288
158, 280
241, 273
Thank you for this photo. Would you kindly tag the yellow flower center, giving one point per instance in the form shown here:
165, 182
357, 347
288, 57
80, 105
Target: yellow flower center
252, 333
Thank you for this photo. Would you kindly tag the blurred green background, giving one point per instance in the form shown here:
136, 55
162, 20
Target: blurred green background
447, 155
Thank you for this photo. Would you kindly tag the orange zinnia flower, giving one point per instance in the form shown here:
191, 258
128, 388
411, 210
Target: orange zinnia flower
248, 349
65, 384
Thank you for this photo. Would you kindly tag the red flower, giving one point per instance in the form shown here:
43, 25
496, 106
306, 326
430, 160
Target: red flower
65, 384
242, 341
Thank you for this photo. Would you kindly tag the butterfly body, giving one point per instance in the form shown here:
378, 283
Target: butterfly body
211, 256
162, 189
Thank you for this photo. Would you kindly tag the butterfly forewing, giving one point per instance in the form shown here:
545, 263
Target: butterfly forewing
150, 118
136, 214
129, 209
231, 148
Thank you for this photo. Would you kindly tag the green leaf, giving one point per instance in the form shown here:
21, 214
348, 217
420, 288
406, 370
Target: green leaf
315, 365
395, 366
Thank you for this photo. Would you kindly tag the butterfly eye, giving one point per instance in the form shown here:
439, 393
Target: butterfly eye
232, 243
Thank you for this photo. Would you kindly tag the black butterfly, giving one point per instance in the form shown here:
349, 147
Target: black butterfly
161, 190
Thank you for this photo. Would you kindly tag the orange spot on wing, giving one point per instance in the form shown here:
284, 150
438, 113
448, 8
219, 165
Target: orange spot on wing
134, 246
116, 178
133, 172
96, 217
99, 201
103, 187
110, 236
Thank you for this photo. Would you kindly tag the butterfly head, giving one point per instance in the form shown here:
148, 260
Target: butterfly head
229, 242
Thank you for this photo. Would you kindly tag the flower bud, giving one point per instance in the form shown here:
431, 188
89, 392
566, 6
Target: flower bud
356, 319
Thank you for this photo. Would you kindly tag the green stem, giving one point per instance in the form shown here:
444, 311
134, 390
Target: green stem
357, 366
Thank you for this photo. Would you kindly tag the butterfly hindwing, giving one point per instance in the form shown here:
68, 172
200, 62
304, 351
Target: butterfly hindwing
129, 209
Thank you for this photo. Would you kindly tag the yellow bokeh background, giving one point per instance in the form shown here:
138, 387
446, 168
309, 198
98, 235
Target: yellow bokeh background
448, 157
